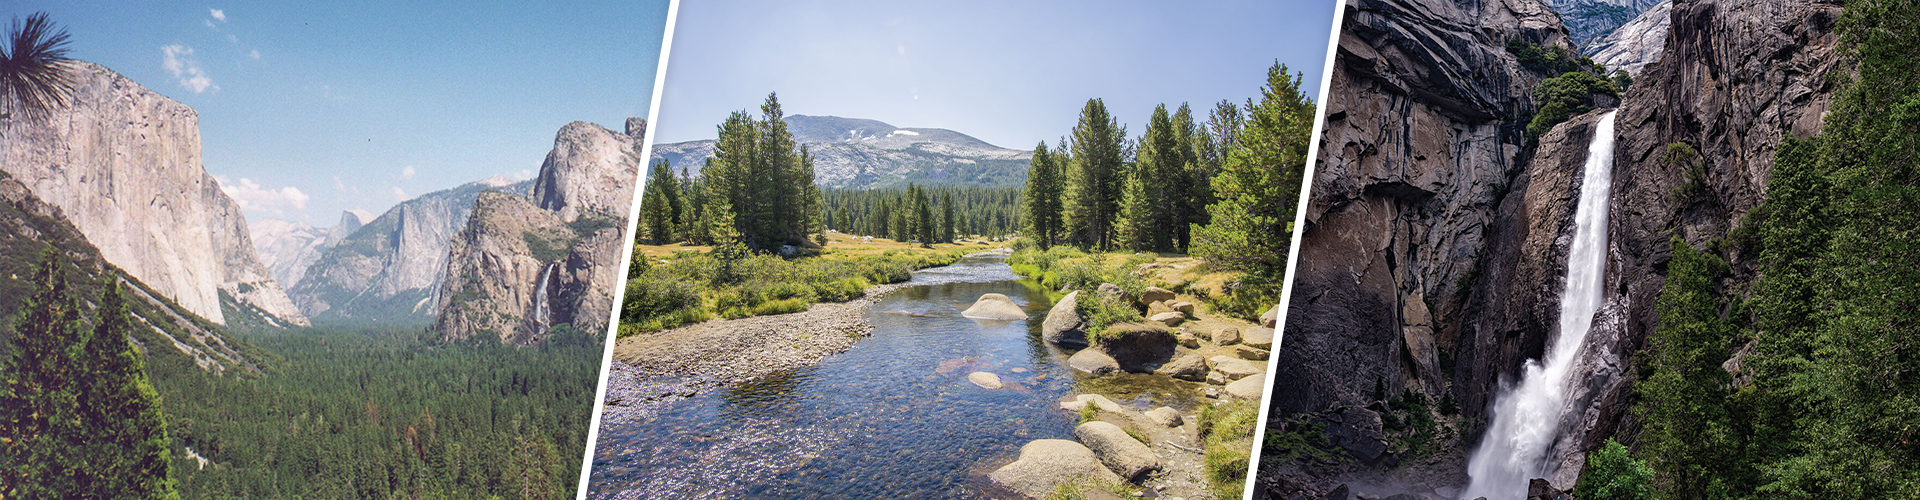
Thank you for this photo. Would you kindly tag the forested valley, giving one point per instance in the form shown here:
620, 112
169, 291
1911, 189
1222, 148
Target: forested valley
332, 413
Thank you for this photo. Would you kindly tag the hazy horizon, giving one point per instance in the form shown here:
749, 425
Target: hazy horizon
312, 110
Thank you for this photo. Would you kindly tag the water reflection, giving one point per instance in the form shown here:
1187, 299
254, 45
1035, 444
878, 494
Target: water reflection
892, 417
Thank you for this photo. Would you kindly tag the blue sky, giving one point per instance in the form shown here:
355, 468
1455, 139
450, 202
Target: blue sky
306, 111
1011, 73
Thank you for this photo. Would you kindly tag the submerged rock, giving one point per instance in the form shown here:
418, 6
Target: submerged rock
1063, 326
984, 379
1045, 463
995, 306
1121, 453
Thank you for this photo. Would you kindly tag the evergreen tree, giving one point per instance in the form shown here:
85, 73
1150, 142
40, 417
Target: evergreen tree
693, 200
1689, 433
1153, 187
946, 218
37, 414
1258, 186
660, 204
126, 436
1042, 198
1100, 152
766, 178
1189, 196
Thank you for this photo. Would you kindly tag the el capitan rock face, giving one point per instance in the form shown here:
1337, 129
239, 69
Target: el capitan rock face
29, 227
123, 164
523, 265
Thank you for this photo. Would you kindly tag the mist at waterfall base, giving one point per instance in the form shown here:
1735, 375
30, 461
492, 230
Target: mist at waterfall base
1526, 419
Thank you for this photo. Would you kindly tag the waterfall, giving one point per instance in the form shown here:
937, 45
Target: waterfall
541, 317
1527, 418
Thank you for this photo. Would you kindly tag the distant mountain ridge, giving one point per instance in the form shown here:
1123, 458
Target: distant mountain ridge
1587, 21
857, 153
386, 270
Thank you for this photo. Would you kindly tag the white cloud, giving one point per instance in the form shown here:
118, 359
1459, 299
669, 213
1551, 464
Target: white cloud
523, 174
901, 48
255, 54
186, 70
398, 194
407, 173
251, 196
209, 23
219, 14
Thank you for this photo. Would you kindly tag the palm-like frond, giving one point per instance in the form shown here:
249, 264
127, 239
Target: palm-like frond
34, 77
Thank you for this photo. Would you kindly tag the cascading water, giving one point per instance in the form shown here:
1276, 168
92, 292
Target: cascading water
1527, 418
542, 316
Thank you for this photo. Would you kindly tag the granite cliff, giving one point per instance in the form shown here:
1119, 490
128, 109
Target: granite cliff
1436, 241
522, 265
388, 269
123, 164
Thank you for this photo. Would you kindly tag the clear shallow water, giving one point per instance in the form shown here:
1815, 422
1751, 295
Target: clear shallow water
892, 417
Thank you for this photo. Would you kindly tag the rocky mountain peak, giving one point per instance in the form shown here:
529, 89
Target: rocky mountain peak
123, 163
1635, 44
591, 170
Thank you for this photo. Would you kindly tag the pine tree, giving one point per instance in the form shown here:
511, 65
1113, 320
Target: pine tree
660, 204
1189, 196
1098, 174
37, 409
1259, 184
1042, 197
126, 435
946, 218
1154, 187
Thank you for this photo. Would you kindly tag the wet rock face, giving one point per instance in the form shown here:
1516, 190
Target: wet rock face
1424, 133
123, 164
1736, 77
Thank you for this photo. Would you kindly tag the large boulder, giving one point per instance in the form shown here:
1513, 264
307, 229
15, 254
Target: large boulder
1045, 463
995, 307
1158, 307
1139, 348
1113, 292
1227, 336
1191, 367
1248, 388
1093, 361
1249, 353
1064, 326
1267, 319
1169, 318
1165, 417
1156, 294
1121, 453
1258, 336
1235, 368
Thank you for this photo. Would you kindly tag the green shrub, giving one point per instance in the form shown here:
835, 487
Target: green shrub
1612, 474
782, 306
